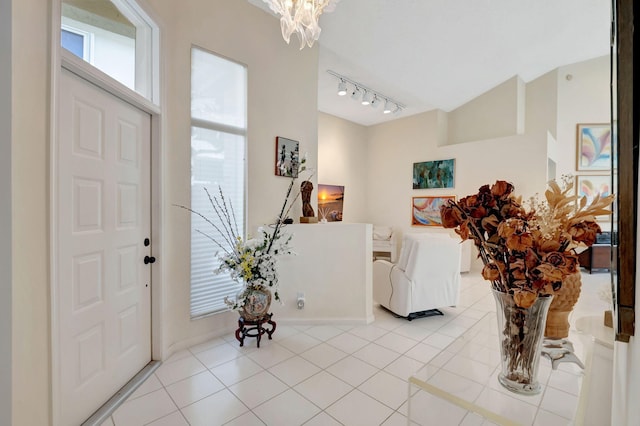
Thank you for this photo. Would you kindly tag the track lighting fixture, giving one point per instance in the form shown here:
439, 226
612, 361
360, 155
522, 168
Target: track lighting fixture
365, 95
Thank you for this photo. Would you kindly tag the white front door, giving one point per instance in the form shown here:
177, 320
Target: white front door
103, 217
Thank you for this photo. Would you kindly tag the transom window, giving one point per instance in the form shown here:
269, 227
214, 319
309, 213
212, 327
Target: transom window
114, 36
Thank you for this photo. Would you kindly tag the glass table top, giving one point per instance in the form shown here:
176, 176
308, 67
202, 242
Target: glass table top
459, 386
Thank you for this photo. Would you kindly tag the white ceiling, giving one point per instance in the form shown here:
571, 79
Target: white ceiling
430, 54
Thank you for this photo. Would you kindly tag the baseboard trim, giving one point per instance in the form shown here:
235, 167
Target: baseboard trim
104, 412
324, 321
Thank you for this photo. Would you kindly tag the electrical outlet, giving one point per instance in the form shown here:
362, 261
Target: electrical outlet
301, 300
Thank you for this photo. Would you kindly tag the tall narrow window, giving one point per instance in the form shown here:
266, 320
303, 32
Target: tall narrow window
218, 139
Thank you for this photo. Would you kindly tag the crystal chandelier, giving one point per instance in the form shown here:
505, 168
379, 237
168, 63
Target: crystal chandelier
301, 17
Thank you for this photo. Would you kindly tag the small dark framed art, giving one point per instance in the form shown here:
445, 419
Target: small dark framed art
287, 157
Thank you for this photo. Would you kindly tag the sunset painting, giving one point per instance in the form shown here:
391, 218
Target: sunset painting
330, 202
426, 210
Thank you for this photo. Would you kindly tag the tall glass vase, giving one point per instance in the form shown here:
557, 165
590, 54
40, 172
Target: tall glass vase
521, 332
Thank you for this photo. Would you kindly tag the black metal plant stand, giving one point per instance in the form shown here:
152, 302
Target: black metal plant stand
256, 328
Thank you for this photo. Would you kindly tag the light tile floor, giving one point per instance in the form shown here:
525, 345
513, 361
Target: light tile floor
344, 375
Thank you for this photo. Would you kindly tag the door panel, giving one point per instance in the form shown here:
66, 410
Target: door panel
103, 217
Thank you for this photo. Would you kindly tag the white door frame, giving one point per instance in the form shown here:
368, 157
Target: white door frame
59, 59
6, 140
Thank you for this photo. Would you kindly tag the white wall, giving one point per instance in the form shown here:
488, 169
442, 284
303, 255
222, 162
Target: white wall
393, 147
5, 212
342, 157
496, 113
332, 268
282, 101
583, 98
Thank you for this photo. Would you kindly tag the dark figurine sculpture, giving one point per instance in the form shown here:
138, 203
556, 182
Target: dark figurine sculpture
305, 189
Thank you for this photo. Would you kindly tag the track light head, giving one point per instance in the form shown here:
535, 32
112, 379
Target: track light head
355, 93
366, 98
342, 88
387, 107
375, 101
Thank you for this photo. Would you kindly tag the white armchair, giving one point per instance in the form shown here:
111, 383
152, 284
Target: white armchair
425, 278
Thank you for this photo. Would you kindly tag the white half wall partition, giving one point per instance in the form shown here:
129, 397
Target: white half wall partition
332, 269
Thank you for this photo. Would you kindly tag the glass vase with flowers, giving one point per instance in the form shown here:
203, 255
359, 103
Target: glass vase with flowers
527, 253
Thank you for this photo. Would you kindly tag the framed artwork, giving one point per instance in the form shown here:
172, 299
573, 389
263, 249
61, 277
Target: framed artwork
433, 174
594, 147
425, 211
330, 202
287, 157
589, 186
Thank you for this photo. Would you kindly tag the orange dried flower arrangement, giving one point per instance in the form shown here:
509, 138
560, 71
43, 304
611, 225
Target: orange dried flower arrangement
526, 252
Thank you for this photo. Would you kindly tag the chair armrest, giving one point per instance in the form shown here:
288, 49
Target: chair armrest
391, 287
381, 281
382, 268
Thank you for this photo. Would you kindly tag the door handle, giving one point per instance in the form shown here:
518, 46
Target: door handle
149, 259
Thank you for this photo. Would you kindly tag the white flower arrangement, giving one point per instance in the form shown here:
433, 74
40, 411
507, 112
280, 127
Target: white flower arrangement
252, 261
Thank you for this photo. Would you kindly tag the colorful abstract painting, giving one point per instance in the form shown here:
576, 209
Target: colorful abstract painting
433, 174
590, 186
426, 210
594, 146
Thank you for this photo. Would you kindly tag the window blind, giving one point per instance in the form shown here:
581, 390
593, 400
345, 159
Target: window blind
217, 161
